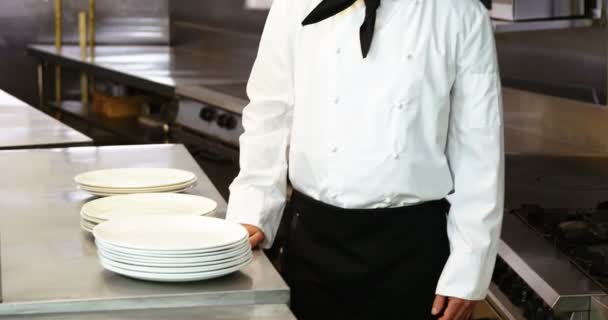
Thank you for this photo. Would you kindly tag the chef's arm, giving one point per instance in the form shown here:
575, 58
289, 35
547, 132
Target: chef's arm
476, 156
258, 194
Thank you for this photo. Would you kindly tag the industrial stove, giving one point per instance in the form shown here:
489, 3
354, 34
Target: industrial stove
569, 280
580, 234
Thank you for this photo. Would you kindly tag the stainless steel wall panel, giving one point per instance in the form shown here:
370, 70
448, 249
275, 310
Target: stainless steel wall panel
537, 9
224, 14
118, 21
28, 21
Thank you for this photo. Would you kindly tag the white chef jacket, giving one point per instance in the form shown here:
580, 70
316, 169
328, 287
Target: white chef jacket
419, 119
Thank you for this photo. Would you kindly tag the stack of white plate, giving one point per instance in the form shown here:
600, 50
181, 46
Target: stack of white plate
143, 205
135, 180
172, 248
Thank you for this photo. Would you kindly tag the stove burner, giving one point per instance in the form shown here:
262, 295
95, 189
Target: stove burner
595, 259
576, 232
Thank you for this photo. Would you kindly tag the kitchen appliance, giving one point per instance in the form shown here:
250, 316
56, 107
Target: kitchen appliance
517, 10
564, 274
211, 121
211, 129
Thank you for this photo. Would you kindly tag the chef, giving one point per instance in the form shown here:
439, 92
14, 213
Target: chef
386, 117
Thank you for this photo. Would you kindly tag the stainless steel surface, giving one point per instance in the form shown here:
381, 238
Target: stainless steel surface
49, 265
554, 181
572, 181
546, 270
258, 312
226, 14
599, 308
117, 21
157, 68
520, 141
501, 26
501, 304
568, 63
536, 9
31, 21
22, 126
536, 123
230, 97
191, 115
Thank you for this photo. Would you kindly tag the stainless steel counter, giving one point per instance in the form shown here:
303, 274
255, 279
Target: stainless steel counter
157, 68
259, 312
49, 265
23, 126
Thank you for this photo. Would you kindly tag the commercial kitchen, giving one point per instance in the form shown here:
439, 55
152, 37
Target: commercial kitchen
88, 85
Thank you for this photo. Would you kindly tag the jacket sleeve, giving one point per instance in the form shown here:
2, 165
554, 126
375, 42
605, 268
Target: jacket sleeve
258, 194
475, 152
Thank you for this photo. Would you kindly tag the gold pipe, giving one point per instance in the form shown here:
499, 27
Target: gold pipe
82, 32
92, 30
58, 44
40, 78
58, 84
58, 24
92, 25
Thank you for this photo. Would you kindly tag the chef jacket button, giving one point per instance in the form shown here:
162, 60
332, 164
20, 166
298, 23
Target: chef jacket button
410, 56
336, 100
339, 50
400, 105
396, 156
334, 149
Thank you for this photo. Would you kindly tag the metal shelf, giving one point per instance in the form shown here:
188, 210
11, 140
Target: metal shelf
130, 129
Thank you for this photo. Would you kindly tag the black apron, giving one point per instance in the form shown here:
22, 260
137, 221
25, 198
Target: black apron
365, 263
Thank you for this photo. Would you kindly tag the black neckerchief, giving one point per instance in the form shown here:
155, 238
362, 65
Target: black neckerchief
329, 8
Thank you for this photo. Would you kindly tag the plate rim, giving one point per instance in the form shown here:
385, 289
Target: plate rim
174, 270
189, 278
225, 255
79, 177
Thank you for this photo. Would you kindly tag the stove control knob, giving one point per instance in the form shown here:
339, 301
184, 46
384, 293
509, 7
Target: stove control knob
208, 114
226, 121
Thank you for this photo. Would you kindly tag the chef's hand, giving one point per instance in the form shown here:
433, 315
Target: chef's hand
453, 308
256, 235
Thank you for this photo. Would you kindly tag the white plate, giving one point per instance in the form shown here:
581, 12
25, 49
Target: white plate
173, 270
184, 277
96, 221
170, 233
175, 261
86, 217
139, 190
104, 194
88, 224
85, 227
144, 204
192, 181
135, 178
173, 254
